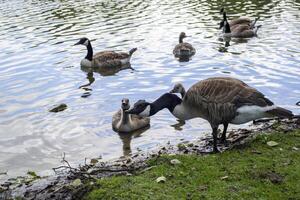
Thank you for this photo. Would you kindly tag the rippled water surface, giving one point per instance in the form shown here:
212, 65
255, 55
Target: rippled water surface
39, 67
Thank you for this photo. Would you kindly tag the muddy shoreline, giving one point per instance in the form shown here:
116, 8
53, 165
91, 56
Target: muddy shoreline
73, 183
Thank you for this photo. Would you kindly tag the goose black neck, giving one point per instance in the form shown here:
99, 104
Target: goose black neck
180, 39
227, 27
226, 24
89, 54
167, 100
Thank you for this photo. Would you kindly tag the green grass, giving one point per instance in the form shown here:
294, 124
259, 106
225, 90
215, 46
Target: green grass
249, 170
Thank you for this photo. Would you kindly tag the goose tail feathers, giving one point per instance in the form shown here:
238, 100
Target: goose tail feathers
132, 51
252, 26
256, 29
281, 112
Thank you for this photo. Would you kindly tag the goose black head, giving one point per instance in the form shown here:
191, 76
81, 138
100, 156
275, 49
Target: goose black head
125, 104
141, 108
83, 41
178, 88
181, 36
222, 10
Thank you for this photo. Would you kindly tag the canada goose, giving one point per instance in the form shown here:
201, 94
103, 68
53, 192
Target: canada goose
104, 58
240, 31
124, 122
183, 49
219, 100
239, 21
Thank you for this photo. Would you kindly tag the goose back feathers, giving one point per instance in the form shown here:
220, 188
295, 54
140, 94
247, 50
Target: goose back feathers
238, 30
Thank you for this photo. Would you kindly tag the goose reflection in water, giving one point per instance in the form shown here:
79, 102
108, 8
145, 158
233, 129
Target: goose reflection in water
127, 137
109, 71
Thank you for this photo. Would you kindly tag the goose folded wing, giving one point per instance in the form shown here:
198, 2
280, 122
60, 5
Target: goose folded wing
110, 55
225, 91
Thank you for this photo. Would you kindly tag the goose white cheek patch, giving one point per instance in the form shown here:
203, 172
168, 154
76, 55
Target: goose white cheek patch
146, 112
86, 43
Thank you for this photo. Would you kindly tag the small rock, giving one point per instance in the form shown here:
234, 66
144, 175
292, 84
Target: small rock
175, 162
59, 108
76, 183
272, 143
161, 179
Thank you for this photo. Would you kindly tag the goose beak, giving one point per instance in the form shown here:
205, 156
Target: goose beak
131, 111
171, 91
77, 43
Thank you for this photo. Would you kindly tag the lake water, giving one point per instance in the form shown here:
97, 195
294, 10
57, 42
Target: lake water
39, 68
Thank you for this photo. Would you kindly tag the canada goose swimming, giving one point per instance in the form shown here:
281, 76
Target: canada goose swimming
240, 31
239, 21
104, 58
183, 49
125, 122
218, 100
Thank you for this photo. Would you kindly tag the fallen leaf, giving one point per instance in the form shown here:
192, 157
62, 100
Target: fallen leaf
175, 162
272, 143
94, 161
224, 177
76, 183
161, 179
295, 148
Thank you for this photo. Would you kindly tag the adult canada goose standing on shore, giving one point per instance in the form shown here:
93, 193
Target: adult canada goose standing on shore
183, 50
219, 100
104, 58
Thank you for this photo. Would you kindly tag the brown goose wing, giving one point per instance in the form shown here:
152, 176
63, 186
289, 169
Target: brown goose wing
110, 55
240, 28
225, 91
241, 20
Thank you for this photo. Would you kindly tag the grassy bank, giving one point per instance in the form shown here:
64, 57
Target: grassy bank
254, 171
